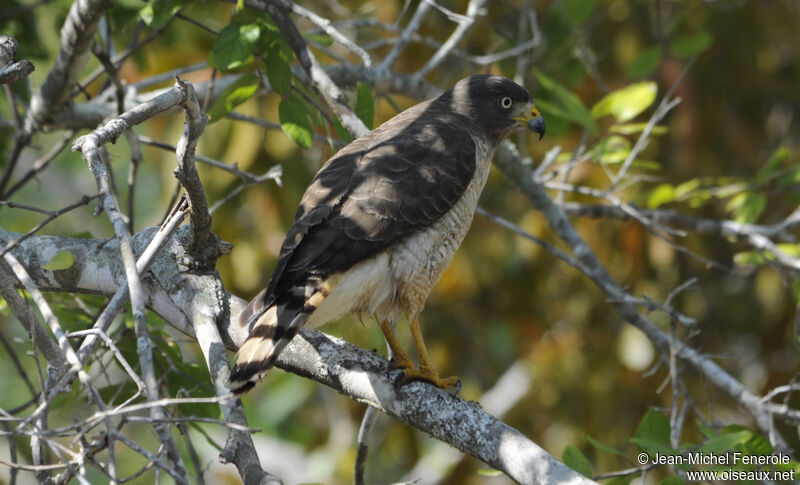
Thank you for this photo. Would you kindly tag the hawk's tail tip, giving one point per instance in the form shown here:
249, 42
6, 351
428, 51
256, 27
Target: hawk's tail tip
242, 379
254, 359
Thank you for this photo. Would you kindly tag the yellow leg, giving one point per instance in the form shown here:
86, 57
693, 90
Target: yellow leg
426, 371
399, 356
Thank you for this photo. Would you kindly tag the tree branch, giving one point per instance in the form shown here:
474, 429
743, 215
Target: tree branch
181, 298
76, 38
320, 81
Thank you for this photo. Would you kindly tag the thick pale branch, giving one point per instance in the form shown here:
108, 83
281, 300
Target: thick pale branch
182, 297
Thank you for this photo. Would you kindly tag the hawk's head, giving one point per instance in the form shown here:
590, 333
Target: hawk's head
497, 104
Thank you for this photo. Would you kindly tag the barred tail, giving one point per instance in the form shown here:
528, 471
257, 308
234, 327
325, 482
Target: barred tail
271, 330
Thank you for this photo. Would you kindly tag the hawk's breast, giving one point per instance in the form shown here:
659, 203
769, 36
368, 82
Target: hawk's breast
418, 261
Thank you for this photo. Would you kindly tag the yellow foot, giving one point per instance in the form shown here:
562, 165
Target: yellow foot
429, 374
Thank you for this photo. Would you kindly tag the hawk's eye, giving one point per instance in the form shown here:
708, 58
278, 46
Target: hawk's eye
506, 102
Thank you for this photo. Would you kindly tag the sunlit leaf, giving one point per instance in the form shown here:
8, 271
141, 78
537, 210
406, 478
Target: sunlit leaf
279, 73
626, 103
661, 195
489, 472
365, 105
237, 93
574, 458
750, 258
62, 260
570, 105
234, 46
294, 122
633, 128
645, 63
611, 150
157, 13
686, 188
690, 45
790, 249
746, 206
774, 164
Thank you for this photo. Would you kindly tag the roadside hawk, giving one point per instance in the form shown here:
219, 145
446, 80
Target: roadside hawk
381, 222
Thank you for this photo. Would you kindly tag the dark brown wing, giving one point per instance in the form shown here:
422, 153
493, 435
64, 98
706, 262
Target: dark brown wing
377, 190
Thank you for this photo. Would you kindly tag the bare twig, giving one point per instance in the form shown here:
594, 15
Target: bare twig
412, 27
76, 38
664, 107
329, 29
474, 9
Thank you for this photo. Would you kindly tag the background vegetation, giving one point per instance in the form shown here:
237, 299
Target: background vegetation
728, 151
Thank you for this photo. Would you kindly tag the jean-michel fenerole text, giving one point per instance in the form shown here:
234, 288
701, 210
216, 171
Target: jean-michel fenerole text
732, 458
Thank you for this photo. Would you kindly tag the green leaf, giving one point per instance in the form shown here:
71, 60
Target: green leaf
278, 72
489, 472
603, 447
774, 164
645, 63
633, 128
611, 150
294, 121
237, 93
574, 458
626, 103
365, 105
653, 446
570, 105
750, 258
341, 131
726, 441
321, 39
686, 188
757, 444
792, 178
623, 480
690, 45
234, 46
672, 481
661, 195
62, 260
579, 11
746, 206
157, 13
654, 427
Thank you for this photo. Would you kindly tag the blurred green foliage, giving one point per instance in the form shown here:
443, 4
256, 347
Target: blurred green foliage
730, 149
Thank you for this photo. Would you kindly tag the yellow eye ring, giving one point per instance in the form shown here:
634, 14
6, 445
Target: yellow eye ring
505, 102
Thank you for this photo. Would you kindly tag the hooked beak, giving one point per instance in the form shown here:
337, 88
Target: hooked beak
532, 119
536, 125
